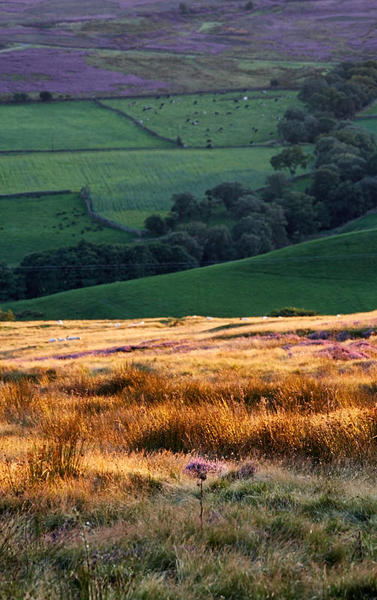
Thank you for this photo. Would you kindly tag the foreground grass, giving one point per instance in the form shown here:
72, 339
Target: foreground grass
93, 456
319, 275
49, 222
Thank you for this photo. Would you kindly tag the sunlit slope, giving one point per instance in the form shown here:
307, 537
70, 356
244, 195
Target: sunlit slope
332, 275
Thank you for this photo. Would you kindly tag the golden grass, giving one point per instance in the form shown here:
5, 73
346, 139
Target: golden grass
109, 436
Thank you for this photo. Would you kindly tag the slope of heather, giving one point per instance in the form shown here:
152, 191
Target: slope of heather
333, 275
131, 47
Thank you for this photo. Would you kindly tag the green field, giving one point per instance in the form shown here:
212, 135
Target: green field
229, 119
126, 186
49, 222
331, 275
369, 124
69, 125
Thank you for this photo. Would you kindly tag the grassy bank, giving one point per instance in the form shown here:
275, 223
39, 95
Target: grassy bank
330, 275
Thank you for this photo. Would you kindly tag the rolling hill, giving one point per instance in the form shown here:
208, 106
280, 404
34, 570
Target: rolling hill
331, 275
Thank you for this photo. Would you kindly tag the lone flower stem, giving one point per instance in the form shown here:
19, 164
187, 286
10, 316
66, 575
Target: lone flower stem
200, 484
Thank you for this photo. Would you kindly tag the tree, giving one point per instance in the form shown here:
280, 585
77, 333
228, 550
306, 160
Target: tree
348, 203
290, 158
277, 183
257, 225
249, 244
8, 284
45, 96
20, 98
219, 245
325, 182
228, 192
185, 240
185, 206
183, 8
155, 225
300, 213
244, 206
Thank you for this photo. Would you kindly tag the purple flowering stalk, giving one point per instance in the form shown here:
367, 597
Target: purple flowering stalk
200, 468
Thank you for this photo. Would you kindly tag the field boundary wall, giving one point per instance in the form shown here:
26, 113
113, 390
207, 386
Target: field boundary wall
134, 121
85, 195
35, 194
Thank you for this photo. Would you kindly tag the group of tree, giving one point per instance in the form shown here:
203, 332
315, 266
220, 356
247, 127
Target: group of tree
23, 97
87, 264
344, 179
329, 98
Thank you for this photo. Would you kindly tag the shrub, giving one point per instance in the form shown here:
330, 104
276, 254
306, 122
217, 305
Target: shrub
45, 96
292, 311
7, 315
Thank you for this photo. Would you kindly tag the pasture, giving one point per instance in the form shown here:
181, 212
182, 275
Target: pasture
330, 275
103, 445
229, 119
69, 126
127, 186
48, 222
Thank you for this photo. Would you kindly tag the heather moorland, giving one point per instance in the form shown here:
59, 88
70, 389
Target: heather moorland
137, 47
191, 458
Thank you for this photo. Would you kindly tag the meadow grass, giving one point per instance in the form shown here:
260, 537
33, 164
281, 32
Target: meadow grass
329, 275
229, 119
123, 183
49, 222
69, 126
93, 463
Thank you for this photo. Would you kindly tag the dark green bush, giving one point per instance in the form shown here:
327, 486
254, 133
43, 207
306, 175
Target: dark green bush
292, 311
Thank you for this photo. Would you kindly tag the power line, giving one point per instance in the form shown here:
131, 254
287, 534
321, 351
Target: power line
255, 261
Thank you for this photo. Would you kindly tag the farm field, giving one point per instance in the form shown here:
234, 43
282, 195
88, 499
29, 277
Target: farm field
229, 119
330, 275
127, 186
69, 126
49, 222
103, 443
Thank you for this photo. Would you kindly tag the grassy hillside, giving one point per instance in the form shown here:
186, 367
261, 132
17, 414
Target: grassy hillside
371, 110
369, 124
37, 224
329, 275
69, 125
368, 221
230, 119
125, 183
